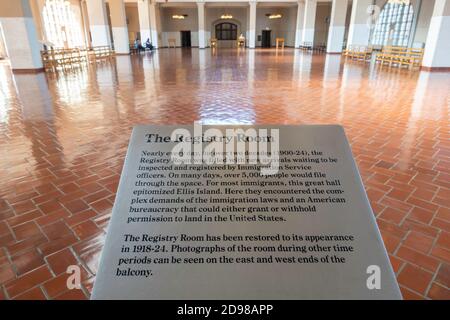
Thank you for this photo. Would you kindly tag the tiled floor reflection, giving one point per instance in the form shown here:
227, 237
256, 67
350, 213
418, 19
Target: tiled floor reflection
63, 139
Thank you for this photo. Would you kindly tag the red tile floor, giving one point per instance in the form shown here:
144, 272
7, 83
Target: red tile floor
63, 139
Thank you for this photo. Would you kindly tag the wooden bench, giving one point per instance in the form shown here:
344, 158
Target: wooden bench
391, 55
359, 52
322, 47
56, 59
62, 58
306, 45
413, 58
48, 60
346, 50
101, 53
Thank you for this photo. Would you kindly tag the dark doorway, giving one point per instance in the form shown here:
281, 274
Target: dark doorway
265, 43
185, 39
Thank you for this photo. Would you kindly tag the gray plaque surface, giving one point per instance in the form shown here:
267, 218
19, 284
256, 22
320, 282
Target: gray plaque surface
306, 233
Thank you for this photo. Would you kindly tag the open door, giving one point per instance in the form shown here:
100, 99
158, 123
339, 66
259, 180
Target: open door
185, 39
265, 41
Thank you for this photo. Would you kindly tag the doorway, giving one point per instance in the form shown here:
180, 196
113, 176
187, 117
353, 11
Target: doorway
266, 36
185, 39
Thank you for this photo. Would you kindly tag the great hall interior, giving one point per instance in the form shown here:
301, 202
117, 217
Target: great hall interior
77, 75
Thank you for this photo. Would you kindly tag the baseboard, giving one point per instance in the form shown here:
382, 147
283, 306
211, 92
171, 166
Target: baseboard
273, 47
435, 69
177, 47
28, 71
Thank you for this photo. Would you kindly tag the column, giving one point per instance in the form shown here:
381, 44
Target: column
98, 23
20, 36
309, 21
153, 14
331, 71
337, 26
201, 25
437, 47
252, 24
85, 21
144, 19
119, 26
300, 21
37, 9
359, 30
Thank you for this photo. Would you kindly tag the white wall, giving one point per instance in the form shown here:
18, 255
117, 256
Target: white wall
289, 27
424, 19
213, 17
284, 27
281, 28
170, 28
323, 14
132, 14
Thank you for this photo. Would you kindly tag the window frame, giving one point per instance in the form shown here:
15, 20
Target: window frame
228, 33
395, 17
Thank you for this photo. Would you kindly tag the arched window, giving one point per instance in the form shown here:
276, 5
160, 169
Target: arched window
226, 31
61, 25
394, 25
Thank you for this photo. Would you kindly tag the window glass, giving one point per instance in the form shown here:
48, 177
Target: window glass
226, 31
61, 25
394, 25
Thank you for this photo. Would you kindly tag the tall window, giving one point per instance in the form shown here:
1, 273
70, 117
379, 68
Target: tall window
61, 25
226, 31
394, 25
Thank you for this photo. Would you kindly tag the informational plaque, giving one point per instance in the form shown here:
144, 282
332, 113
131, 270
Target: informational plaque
236, 230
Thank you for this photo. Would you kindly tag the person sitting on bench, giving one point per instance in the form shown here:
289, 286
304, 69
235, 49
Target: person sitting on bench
138, 46
148, 45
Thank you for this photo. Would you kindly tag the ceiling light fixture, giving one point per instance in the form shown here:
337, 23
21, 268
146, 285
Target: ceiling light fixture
179, 16
226, 16
274, 16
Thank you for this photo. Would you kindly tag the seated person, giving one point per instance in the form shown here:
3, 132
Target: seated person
148, 45
137, 45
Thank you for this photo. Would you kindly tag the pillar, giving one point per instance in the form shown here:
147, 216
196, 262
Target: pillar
359, 29
37, 9
437, 47
119, 26
98, 23
154, 13
331, 71
337, 26
85, 22
201, 25
20, 36
309, 21
300, 21
2, 44
144, 19
252, 25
